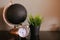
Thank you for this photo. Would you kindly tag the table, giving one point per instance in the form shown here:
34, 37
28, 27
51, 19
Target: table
43, 35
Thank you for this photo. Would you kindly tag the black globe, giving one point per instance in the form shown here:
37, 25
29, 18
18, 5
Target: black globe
15, 14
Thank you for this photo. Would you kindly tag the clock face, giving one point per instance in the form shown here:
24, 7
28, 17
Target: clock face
22, 32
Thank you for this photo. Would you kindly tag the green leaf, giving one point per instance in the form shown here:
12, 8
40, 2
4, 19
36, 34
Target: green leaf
35, 21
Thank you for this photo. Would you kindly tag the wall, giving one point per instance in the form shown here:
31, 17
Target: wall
48, 9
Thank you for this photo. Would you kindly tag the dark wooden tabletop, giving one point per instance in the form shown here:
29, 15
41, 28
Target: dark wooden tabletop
5, 35
49, 35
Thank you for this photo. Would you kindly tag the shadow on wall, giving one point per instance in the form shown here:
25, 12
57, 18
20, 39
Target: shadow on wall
3, 25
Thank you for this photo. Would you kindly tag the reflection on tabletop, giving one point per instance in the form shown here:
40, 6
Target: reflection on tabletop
5, 35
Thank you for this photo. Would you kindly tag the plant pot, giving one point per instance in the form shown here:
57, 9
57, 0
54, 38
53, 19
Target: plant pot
34, 32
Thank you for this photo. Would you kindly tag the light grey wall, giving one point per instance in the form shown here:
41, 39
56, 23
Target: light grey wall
48, 9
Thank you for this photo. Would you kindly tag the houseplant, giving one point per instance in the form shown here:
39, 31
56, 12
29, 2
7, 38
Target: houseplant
34, 23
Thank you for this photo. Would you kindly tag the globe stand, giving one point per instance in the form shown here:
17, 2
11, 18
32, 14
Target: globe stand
13, 15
